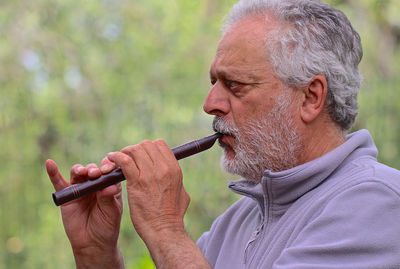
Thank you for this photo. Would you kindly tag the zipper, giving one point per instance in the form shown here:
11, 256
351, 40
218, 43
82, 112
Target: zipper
267, 217
253, 238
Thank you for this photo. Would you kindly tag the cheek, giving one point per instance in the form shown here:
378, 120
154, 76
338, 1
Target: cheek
253, 109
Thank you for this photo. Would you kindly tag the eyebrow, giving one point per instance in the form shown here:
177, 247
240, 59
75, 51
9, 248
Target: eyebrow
232, 74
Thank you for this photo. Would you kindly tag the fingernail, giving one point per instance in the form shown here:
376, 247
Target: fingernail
91, 171
110, 154
106, 168
79, 170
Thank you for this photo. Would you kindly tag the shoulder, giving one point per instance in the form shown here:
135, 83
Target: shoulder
367, 171
360, 202
355, 220
357, 174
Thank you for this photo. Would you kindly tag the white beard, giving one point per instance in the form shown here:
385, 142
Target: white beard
270, 143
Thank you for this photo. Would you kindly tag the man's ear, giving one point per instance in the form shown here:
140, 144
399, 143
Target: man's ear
314, 96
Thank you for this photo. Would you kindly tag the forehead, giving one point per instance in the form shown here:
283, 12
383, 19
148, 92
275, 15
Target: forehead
242, 47
247, 32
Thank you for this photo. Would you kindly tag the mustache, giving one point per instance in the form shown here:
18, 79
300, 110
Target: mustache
221, 126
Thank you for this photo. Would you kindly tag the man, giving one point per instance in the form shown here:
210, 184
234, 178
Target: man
284, 89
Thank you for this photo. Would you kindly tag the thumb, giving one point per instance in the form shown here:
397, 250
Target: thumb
108, 195
55, 176
109, 199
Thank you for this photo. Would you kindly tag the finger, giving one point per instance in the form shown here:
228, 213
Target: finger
109, 193
81, 173
152, 151
140, 156
91, 165
55, 176
126, 163
107, 166
93, 171
109, 200
161, 166
168, 166
78, 173
168, 155
165, 150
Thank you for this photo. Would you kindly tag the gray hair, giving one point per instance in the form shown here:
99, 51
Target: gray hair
313, 38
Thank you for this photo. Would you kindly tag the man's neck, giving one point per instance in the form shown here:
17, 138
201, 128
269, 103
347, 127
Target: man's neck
320, 141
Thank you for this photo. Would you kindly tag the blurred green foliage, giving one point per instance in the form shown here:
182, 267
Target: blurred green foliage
82, 78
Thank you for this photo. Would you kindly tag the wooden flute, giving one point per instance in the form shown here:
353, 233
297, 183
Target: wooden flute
80, 189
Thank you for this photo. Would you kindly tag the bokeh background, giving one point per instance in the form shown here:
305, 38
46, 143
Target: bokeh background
79, 79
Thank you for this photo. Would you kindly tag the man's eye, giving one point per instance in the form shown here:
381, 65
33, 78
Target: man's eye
213, 81
231, 84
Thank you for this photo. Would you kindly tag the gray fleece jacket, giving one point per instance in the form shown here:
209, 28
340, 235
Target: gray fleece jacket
341, 210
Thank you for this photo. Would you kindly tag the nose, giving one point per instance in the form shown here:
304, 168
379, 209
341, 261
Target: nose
217, 102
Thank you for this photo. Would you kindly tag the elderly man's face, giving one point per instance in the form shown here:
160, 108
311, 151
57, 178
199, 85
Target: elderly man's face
249, 100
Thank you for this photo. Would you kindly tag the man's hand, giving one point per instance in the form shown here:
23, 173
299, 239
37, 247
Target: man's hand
91, 222
158, 202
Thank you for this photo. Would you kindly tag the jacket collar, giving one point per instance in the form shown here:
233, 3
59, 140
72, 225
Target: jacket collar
284, 187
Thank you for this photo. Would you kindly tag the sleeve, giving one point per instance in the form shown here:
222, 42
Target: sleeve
358, 228
204, 241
